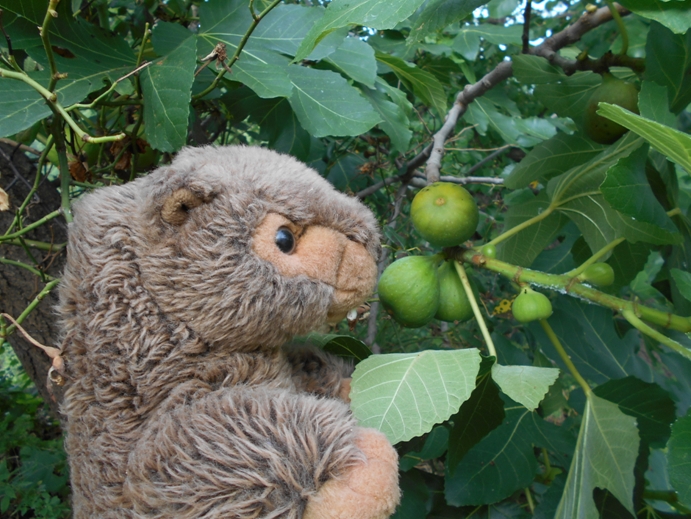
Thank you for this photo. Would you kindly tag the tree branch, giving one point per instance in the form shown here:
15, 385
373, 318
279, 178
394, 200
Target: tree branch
548, 49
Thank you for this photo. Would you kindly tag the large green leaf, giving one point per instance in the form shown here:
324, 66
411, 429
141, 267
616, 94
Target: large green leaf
94, 52
675, 144
284, 27
576, 194
627, 260
436, 443
260, 66
522, 248
404, 394
94, 55
569, 96
467, 41
437, 14
504, 461
668, 58
167, 89
377, 14
22, 33
553, 157
534, 70
355, 58
21, 105
559, 259
588, 177
679, 458
674, 14
627, 190
394, 121
605, 457
683, 281
527, 385
588, 335
653, 104
325, 104
477, 417
649, 404
512, 129
424, 85
341, 345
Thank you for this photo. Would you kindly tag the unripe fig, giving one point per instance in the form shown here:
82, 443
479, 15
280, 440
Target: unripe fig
490, 251
613, 91
444, 214
454, 304
409, 290
600, 274
531, 306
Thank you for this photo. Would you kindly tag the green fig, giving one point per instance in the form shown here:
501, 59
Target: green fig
613, 91
454, 304
444, 214
531, 306
409, 290
489, 251
599, 274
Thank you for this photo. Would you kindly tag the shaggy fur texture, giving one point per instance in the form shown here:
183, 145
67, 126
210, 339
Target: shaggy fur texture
180, 401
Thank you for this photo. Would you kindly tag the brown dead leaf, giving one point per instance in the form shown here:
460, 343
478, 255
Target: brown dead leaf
4, 200
78, 170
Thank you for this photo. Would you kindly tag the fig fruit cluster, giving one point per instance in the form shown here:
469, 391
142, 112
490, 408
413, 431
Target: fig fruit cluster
417, 289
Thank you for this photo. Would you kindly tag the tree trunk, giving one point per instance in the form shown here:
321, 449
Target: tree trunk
18, 286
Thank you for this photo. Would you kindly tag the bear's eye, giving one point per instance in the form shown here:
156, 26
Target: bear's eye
285, 241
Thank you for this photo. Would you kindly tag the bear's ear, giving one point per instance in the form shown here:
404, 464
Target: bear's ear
177, 206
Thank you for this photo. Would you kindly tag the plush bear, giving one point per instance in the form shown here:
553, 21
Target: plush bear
179, 291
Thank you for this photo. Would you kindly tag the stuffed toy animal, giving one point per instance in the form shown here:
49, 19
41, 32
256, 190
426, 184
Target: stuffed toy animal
179, 291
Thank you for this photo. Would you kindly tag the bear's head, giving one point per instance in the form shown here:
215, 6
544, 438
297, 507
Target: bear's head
241, 244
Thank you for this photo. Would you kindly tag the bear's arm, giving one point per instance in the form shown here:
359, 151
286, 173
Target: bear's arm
248, 452
317, 372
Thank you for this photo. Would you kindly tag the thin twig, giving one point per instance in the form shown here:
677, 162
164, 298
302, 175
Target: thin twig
420, 180
526, 26
47, 47
22, 147
406, 172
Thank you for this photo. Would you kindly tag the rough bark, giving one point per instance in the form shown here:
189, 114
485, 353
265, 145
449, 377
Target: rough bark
18, 286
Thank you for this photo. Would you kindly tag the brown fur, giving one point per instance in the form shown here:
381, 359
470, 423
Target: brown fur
180, 401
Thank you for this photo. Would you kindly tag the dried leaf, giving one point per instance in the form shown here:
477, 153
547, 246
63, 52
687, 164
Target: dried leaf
4, 200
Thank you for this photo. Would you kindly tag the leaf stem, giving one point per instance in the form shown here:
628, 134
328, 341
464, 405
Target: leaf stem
529, 497
47, 47
564, 356
621, 27
39, 167
255, 21
33, 244
57, 107
632, 318
518, 228
548, 465
604, 250
25, 266
42, 294
565, 284
23, 76
108, 92
31, 226
476, 309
